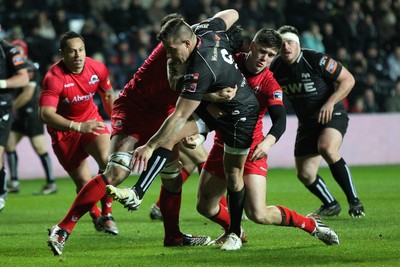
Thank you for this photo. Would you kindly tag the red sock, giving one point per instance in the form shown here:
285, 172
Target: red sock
223, 201
170, 204
185, 175
222, 217
87, 197
95, 212
292, 218
106, 205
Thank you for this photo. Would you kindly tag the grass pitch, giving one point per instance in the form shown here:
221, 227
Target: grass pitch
370, 241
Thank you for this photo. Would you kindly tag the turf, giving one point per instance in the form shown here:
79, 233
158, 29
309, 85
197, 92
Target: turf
370, 241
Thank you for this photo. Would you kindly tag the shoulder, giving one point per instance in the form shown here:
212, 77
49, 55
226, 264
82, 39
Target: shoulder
214, 24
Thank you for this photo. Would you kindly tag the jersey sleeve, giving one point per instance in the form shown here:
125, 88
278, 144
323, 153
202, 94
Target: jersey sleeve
329, 67
105, 83
196, 81
274, 90
214, 24
51, 90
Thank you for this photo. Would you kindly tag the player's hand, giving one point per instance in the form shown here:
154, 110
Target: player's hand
140, 158
193, 141
325, 113
91, 126
261, 151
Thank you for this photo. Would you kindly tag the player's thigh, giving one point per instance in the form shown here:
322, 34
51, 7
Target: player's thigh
99, 148
233, 167
256, 190
81, 175
307, 166
329, 143
39, 144
13, 140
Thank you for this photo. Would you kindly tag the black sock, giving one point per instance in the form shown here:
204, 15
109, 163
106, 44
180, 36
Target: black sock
3, 183
12, 159
155, 165
319, 189
236, 204
48, 169
341, 172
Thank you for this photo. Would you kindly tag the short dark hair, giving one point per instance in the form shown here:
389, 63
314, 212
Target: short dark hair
69, 35
174, 29
169, 17
288, 28
269, 38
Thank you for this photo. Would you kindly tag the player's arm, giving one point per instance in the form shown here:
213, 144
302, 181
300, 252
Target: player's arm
345, 83
25, 96
229, 16
107, 99
48, 115
169, 131
278, 117
18, 80
223, 95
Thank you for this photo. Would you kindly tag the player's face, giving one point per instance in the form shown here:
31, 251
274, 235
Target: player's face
260, 57
290, 50
74, 55
178, 51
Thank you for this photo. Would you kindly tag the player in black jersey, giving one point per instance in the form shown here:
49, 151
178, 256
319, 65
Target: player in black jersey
13, 74
316, 84
210, 67
27, 123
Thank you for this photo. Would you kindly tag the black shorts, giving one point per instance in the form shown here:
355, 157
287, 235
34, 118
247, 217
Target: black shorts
308, 134
237, 131
5, 120
28, 124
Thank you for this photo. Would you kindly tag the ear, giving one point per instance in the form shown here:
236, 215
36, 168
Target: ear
187, 43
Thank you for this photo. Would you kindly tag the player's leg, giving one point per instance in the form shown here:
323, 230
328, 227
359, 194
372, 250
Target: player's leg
234, 160
211, 189
94, 190
132, 198
3, 181
190, 159
12, 158
170, 203
307, 172
329, 144
5, 126
39, 145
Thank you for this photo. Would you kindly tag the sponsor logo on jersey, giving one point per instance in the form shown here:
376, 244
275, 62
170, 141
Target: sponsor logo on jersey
191, 76
80, 98
68, 85
190, 87
94, 79
18, 60
331, 66
305, 76
278, 95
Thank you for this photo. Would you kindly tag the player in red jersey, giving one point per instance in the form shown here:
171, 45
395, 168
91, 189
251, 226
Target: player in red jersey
76, 128
141, 107
254, 65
